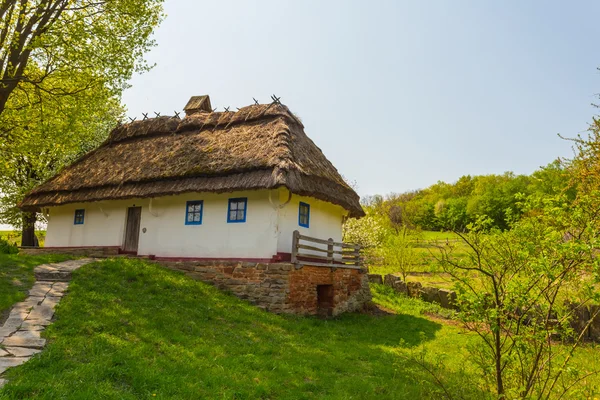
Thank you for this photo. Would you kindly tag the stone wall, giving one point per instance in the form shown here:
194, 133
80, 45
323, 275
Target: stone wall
280, 287
585, 318
445, 298
76, 251
350, 289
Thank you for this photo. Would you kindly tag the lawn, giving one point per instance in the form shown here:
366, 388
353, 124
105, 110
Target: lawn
16, 276
14, 237
129, 329
427, 247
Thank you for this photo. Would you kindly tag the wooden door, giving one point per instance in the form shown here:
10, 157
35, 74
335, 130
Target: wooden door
132, 230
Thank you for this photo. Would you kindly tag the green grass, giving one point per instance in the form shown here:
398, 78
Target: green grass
16, 276
129, 329
435, 235
427, 270
15, 237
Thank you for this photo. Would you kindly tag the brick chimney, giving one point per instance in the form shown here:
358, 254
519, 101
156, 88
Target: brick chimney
197, 104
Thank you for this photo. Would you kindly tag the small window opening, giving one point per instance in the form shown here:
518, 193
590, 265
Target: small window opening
237, 210
304, 215
79, 217
193, 212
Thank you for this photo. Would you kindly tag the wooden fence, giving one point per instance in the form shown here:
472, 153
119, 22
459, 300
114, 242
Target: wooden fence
316, 252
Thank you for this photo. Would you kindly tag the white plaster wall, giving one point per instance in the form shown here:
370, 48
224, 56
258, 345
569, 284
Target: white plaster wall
103, 225
267, 230
325, 220
168, 236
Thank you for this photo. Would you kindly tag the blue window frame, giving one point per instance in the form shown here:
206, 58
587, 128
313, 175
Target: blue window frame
79, 217
236, 212
304, 214
193, 212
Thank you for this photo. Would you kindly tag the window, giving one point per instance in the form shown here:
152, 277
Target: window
304, 214
79, 216
193, 212
237, 210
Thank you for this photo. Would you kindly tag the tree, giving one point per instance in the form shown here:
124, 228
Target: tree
368, 231
53, 54
62, 38
513, 288
49, 135
398, 250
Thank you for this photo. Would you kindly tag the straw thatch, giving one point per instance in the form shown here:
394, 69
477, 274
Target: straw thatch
257, 147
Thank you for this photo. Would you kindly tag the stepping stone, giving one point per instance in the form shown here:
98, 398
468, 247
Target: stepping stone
7, 362
40, 289
35, 322
60, 286
23, 342
5, 332
13, 322
20, 313
26, 334
20, 333
31, 327
53, 276
56, 292
51, 301
46, 268
34, 300
22, 351
41, 312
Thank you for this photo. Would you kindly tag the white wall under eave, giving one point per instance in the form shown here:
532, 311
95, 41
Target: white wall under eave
325, 220
103, 225
167, 235
268, 229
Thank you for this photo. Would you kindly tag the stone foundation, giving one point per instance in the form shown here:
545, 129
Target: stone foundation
281, 288
76, 251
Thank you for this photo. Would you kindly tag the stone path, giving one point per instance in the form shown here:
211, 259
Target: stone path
20, 335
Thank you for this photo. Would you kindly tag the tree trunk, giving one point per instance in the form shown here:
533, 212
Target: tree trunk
28, 237
498, 351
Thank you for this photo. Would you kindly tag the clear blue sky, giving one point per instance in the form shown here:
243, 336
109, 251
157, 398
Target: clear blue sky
397, 94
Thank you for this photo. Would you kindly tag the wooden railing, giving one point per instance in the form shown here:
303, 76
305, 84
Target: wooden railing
316, 252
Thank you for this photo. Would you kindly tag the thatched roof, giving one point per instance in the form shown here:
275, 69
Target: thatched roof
257, 147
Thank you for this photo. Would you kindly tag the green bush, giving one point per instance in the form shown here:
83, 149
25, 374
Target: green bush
7, 248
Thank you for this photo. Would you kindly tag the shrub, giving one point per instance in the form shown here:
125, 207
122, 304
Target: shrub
7, 248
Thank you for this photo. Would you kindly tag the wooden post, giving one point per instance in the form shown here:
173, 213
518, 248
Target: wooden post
295, 241
330, 251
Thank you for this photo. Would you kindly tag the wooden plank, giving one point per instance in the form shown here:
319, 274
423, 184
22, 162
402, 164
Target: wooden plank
307, 247
295, 243
352, 260
312, 239
322, 241
317, 256
322, 250
316, 264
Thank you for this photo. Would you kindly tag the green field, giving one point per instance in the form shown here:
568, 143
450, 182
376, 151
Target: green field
130, 329
427, 269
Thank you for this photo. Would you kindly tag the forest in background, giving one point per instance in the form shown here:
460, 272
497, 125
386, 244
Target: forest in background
454, 206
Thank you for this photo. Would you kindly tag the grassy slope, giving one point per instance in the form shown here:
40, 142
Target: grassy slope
129, 329
16, 276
